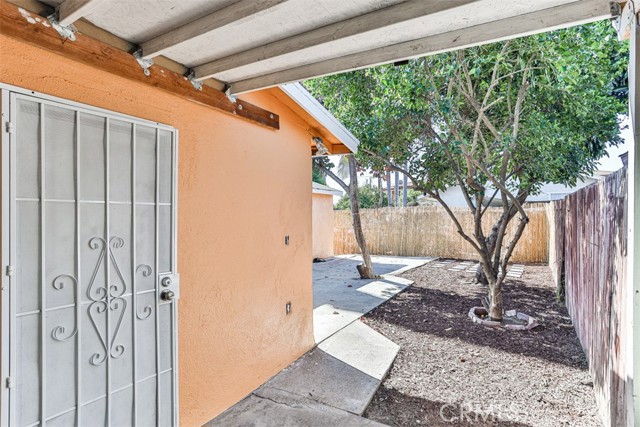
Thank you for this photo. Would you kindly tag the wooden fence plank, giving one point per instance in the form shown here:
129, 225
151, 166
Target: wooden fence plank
595, 242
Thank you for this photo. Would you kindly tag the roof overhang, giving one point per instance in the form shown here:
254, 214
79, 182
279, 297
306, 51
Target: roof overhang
254, 44
237, 46
308, 103
317, 188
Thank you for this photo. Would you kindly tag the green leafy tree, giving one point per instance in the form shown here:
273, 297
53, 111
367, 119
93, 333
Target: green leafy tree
368, 196
317, 175
498, 121
371, 197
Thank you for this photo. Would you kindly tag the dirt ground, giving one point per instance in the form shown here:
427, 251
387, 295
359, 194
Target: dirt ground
450, 371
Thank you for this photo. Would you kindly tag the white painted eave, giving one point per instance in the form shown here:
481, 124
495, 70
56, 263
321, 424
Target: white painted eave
308, 103
317, 188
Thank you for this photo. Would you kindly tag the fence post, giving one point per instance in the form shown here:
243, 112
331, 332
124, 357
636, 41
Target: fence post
633, 254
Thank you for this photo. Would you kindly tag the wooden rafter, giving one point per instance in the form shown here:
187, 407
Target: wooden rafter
70, 11
235, 12
89, 51
574, 13
377, 19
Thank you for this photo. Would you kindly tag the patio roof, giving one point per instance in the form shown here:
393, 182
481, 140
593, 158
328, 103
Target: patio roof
254, 44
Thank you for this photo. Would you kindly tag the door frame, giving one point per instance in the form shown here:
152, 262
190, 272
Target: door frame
7, 233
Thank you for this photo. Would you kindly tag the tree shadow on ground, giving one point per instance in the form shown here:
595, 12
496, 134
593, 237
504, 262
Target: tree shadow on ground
444, 313
398, 409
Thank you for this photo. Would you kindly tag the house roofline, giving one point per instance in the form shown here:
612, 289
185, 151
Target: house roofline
307, 102
318, 188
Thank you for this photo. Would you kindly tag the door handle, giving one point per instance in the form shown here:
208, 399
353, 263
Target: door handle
167, 295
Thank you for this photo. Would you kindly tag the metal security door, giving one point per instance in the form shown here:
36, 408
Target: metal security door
93, 283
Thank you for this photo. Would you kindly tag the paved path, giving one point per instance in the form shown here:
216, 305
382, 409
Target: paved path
514, 271
332, 384
340, 297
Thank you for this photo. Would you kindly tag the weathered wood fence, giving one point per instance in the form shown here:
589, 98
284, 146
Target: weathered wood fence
588, 252
428, 231
584, 240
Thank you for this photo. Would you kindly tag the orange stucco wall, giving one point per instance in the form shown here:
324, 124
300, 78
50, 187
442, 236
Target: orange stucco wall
242, 188
322, 214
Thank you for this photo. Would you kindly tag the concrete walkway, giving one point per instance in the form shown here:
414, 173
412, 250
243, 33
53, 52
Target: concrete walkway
332, 384
340, 297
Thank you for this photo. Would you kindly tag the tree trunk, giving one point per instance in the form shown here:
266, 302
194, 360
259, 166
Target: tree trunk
389, 188
480, 276
405, 189
366, 268
396, 187
495, 300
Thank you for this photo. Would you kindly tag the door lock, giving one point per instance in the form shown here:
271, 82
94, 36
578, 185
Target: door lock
167, 295
169, 287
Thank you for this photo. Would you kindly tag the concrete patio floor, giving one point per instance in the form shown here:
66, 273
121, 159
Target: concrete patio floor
333, 383
340, 297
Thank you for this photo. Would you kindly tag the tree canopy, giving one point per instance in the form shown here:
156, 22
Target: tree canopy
566, 118
317, 175
498, 121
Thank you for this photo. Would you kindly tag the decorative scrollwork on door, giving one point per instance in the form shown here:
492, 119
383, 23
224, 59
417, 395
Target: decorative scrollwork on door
107, 299
145, 270
58, 333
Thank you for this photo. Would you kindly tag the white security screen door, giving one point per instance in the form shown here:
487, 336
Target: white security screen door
93, 282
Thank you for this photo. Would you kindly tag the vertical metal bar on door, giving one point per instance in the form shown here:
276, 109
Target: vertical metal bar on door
78, 277
107, 268
12, 257
134, 311
157, 266
43, 305
174, 266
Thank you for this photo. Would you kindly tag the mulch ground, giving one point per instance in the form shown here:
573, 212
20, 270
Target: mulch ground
450, 371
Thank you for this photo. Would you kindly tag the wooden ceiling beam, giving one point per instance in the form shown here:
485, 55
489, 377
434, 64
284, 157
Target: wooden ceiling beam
201, 26
574, 13
15, 23
375, 20
339, 149
70, 11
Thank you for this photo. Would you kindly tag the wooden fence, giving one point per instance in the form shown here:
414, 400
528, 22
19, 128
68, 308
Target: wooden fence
589, 241
428, 231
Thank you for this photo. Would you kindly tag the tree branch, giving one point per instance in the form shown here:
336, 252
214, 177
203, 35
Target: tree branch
333, 176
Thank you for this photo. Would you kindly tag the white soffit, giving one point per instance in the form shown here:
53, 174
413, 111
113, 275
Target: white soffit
252, 44
304, 99
317, 188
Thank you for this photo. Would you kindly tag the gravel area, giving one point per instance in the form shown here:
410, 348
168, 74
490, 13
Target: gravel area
450, 371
